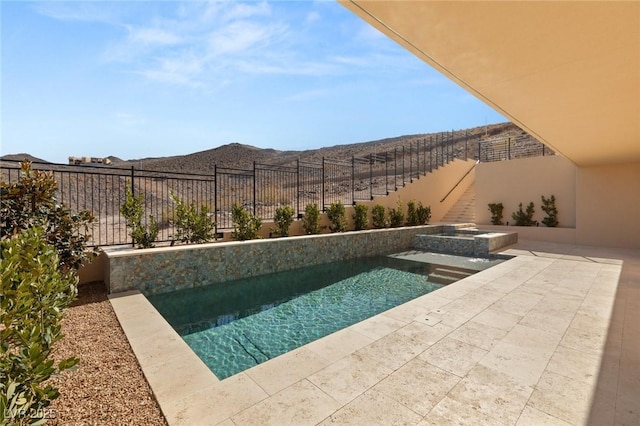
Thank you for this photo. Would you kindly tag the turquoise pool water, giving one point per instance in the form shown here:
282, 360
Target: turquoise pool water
239, 324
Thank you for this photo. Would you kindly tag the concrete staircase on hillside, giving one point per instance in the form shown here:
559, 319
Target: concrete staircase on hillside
464, 210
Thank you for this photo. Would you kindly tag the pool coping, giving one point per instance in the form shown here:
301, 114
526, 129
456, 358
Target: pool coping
187, 391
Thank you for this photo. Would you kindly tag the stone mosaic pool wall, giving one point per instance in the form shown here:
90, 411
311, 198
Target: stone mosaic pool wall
476, 244
165, 269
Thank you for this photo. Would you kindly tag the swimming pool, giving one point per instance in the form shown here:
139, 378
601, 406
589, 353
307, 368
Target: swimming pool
239, 324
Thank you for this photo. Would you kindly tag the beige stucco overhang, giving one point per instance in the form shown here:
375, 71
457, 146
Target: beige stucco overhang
566, 72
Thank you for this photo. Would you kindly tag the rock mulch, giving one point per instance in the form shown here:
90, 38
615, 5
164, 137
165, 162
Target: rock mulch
107, 386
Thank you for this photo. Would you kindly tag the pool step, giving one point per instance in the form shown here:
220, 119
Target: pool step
447, 276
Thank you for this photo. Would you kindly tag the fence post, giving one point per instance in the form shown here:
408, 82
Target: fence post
509, 149
543, 150
430, 154
133, 241
395, 168
215, 194
371, 176
403, 174
323, 178
298, 187
479, 149
254, 187
386, 172
418, 159
353, 180
466, 145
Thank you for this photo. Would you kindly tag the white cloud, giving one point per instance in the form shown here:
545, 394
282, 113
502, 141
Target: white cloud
308, 95
151, 36
312, 17
241, 36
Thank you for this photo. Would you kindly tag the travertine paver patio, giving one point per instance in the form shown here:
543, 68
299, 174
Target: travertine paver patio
549, 337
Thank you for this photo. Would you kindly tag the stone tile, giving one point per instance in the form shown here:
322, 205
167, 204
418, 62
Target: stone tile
592, 341
406, 312
556, 325
373, 408
518, 302
179, 376
523, 354
287, 369
480, 335
484, 396
216, 403
418, 385
350, 377
299, 404
562, 397
339, 344
497, 319
532, 417
575, 364
378, 326
453, 356
395, 349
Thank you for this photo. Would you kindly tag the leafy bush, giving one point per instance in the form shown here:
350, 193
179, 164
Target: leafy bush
496, 213
412, 213
283, 220
396, 216
143, 234
245, 225
193, 225
360, 218
378, 216
338, 217
524, 218
549, 207
311, 219
34, 292
31, 202
424, 214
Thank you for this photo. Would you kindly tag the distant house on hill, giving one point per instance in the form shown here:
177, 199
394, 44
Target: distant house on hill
89, 160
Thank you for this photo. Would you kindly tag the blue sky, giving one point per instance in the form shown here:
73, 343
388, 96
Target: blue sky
141, 79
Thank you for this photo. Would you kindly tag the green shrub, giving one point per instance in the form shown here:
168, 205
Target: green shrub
311, 219
360, 218
34, 291
193, 225
496, 213
424, 214
143, 235
549, 207
245, 225
524, 218
338, 217
283, 220
396, 216
412, 214
378, 216
31, 202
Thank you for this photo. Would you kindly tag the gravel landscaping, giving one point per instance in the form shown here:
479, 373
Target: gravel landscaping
107, 386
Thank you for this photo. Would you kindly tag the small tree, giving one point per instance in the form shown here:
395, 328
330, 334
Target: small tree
283, 220
549, 207
311, 219
360, 218
143, 235
524, 218
424, 214
496, 213
34, 291
412, 213
245, 225
396, 216
192, 225
31, 202
378, 216
338, 217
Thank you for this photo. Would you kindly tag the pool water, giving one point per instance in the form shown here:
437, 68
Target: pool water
239, 324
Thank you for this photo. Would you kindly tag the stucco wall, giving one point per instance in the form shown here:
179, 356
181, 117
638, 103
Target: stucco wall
608, 208
524, 180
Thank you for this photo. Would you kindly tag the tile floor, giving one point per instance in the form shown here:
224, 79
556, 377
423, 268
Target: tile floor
549, 337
